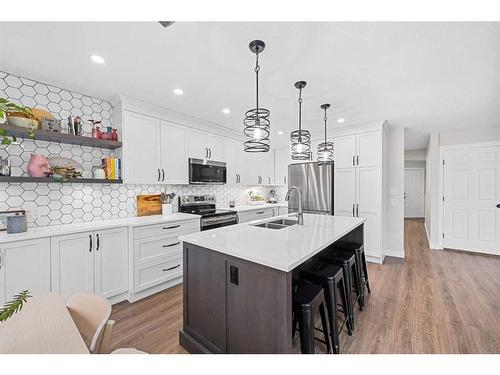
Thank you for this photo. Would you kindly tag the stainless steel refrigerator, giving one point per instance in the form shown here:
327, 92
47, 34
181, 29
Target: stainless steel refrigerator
315, 181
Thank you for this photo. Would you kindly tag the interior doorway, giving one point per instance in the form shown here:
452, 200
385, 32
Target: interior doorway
414, 194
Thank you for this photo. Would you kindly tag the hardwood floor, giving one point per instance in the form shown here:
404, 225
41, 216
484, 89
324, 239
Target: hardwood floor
430, 302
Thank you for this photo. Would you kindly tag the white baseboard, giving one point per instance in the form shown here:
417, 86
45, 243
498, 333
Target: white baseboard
395, 253
134, 297
372, 259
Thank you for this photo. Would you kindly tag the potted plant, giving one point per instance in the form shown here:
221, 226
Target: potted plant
12, 307
7, 109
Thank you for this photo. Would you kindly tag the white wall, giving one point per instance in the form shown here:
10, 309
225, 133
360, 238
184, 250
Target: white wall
414, 164
469, 135
416, 155
432, 192
393, 203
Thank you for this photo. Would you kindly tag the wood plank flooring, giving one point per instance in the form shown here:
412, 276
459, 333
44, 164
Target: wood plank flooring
430, 302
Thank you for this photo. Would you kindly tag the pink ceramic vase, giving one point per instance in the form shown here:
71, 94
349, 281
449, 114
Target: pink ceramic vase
38, 166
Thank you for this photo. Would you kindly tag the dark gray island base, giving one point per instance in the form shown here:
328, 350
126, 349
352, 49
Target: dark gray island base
232, 305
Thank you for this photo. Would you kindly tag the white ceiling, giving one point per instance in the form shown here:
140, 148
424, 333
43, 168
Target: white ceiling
424, 76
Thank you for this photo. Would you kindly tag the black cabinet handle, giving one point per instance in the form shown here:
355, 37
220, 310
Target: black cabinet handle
357, 159
171, 268
172, 244
498, 205
357, 209
284, 179
210, 153
353, 210
98, 242
353, 160
259, 213
90, 245
172, 227
158, 174
162, 175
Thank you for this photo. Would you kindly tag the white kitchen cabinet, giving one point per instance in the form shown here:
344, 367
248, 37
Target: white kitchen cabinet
92, 262
24, 265
235, 160
281, 162
111, 262
174, 153
358, 185
141, 151
257, 214
204, 145
261, 167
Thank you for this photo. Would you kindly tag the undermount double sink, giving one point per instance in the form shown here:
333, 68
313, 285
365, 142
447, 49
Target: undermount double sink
277, 224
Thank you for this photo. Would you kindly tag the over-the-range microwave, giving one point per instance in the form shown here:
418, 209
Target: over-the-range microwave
207, 172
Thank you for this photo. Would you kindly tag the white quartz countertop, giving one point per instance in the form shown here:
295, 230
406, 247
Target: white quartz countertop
55, 230
254, 207
282, 249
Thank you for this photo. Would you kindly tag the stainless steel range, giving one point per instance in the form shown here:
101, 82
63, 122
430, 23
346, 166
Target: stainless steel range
204, 205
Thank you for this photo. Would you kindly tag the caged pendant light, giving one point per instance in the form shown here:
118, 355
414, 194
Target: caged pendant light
301, 139
325, 149
256, 120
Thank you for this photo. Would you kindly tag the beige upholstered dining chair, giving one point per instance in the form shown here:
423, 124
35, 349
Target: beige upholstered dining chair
128, 351
91, 315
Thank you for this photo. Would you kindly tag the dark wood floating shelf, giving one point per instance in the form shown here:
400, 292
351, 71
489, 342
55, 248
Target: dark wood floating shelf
53, 180
44, 135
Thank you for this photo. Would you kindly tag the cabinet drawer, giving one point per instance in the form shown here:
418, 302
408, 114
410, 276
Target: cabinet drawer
149, 275
150, 249
167, 230
255, 215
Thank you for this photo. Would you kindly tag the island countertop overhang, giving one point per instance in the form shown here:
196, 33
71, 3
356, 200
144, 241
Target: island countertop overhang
281, 249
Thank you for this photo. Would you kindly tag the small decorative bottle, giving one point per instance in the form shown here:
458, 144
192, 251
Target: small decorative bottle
114, 135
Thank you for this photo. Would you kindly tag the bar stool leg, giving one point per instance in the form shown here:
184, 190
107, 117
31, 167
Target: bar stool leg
325, 328
307, 332
345, 305
358, 285
348, 285
365, 271
295, 321
331, 307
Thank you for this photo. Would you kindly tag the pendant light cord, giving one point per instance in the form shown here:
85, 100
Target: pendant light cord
300, 108
324, 119
257, 68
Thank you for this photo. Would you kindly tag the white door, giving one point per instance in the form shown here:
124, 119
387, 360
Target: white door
281, 158
215, 144
471, 195
369, 149
174, 153
344, 192
414, 192
369, 184
233, 151
111, 262
345, 150
72, 263
197, 144
141, 157
24, 265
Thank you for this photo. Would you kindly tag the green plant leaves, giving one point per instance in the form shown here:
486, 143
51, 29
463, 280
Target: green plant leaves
12, 307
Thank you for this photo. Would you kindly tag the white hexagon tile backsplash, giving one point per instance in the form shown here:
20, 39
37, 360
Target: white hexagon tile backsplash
55, 203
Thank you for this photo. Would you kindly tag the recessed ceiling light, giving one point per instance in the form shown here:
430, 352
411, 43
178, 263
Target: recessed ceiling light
226, 111
97, 59
178, 92
280, 132
340, 120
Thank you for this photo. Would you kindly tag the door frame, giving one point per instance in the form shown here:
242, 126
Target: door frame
442, 149
422, 169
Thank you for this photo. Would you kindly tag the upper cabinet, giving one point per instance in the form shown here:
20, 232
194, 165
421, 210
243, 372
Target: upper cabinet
141, 151
154, 151
281, 162
204, 145
359, 150
234, 161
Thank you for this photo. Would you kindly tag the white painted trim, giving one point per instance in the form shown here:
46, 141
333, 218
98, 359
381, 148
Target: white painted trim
431, 245
395, 253
470, 145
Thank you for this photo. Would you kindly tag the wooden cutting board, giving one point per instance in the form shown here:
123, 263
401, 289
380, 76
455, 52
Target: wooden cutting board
148, 204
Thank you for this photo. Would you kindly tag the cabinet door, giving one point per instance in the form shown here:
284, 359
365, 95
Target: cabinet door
369, 149
215, 144
197, 144
281, 161
344, 191
233, 151
253, 175
111, 262
24, 265
72, 263
141, 153
369, 206
174, 153
345, 151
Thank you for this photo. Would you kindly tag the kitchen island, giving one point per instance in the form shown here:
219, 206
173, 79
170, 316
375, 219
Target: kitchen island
238, 281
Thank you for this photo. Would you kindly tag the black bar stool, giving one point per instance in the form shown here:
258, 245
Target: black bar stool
351, 275
331, 277
359, 252
307, 300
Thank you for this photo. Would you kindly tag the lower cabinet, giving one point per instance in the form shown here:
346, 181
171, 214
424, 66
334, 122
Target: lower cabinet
93, 262
24, 265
